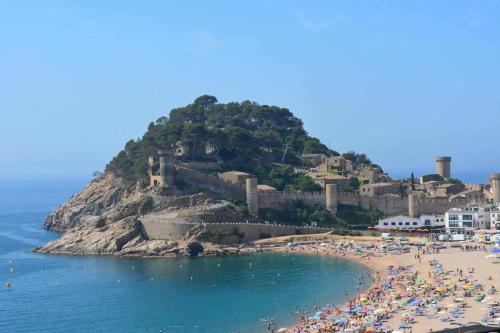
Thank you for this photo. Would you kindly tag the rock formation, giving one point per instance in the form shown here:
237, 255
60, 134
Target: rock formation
103, 219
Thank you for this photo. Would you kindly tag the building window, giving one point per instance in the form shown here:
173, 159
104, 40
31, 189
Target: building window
467, 217
415, 223
400, 223
453, 217
467, 224
427, 222
385, 223
453, 224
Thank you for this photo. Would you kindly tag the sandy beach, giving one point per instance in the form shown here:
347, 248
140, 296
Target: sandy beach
424, 290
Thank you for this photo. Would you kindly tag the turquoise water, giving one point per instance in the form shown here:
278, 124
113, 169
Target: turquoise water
106, 294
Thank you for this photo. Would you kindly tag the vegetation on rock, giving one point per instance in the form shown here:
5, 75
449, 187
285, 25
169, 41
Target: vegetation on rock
264, 140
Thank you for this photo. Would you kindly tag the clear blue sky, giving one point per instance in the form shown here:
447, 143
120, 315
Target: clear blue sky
402, 81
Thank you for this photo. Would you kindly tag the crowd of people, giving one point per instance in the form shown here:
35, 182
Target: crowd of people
401, 294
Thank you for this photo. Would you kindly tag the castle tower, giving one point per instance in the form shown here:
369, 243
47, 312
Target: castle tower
331, 198
495, 186
151, 162
412, 205
443, 166
163, 168
252, 197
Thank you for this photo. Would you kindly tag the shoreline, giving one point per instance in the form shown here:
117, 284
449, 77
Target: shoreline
452, 259
364, 251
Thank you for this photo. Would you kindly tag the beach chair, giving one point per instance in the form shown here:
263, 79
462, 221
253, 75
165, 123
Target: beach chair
404, 325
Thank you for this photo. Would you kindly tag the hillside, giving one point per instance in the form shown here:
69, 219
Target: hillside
244, 136
267, 141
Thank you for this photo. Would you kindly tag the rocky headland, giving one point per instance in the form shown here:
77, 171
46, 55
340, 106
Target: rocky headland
104, 219
169, 178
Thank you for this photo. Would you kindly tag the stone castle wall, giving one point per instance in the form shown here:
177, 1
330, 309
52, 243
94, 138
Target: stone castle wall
210, 183
157, 227
436, 206
285, 199
282, 200
388, 204
254, 231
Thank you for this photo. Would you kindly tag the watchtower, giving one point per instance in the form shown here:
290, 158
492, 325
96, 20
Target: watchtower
495, 186
443, 166
331, 198
161, 172
252, 196
412, 205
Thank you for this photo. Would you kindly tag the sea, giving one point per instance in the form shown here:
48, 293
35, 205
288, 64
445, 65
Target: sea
55, 293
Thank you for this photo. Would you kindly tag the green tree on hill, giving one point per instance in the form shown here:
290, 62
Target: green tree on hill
264, 140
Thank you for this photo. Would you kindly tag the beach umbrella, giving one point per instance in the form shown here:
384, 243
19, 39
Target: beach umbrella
415, 302
379, 311
282, 330
370, 329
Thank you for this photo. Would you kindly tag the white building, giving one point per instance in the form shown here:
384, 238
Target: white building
495, 218
440, 222
406, 222
467, 219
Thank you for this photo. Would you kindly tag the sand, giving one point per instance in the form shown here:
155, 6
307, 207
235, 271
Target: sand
451, 259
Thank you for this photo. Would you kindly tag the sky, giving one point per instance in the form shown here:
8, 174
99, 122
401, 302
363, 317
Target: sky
402, 81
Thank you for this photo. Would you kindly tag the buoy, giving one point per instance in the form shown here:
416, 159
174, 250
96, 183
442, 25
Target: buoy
152, 279
218, 265
278, 274
180, 265
11, 270
252, 275
7, 284
132, 267
250, 263
10, 261
191, 277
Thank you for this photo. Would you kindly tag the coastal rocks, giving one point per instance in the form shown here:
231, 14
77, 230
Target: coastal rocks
134, 206
96, 197
105, 219
85, 240
152, 248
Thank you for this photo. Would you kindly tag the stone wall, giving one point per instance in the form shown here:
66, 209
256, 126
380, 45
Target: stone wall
436, 206
155, 227
212, 184
388, 204
254, 231
283, 200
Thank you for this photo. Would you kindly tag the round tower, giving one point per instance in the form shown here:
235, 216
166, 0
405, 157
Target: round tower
495, 186
252, 197
331, 198
443, 166
163, 169
151, 161
412, 205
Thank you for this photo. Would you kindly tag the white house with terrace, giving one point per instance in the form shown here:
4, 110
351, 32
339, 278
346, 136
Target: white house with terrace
469, 218
405, 222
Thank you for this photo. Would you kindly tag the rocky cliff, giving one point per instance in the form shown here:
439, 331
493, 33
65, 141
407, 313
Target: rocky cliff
103, 219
